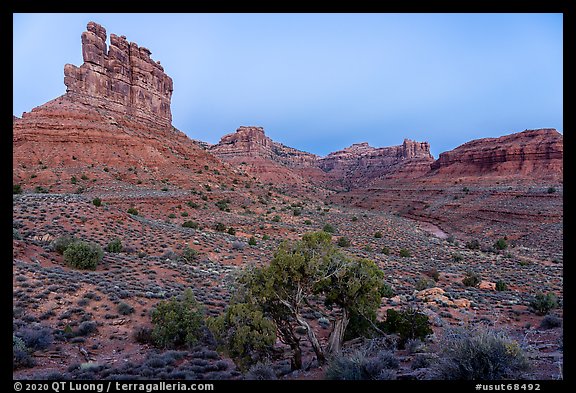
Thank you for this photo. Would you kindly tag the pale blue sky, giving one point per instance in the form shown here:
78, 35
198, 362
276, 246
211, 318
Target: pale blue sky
320, 82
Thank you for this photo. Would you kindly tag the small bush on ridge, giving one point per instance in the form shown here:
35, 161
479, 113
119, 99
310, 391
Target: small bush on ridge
82, 255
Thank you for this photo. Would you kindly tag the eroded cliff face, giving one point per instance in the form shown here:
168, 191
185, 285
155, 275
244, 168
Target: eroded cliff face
123, 78
344, 169
361, 163
113, 126
252, 142
271, 162
531, 153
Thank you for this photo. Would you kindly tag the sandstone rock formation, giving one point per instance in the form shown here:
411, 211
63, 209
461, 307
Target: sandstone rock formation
123, 78
358, 164
531, 153
271, 162
349, 167
252, 142
113, 126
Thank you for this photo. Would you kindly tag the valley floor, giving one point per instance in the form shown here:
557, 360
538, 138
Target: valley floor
49, 294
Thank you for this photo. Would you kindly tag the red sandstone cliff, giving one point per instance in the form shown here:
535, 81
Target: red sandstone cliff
271, 162
123, 78
528, 154
112, 126
350, 167
360, 163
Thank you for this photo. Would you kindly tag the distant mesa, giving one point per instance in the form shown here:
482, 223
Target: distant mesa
251, 141
122, 78
530, 153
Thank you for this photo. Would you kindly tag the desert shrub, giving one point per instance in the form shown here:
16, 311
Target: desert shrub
171, 215
114, 246
432, 273
265, 237
479, 354
542, 304
36, 338
189, 254
343, 242
307, 222
61, 244
125, 308
408, 323
378, 235
252, 241
457, 257
82, 255
385, 250
329, 228
132, 211
473, 245
231, 231
501, 286
16, 235
471, 279
20, 354
386, 291
261, 372
421, 361
349, 368
223, 204
190, 224
178, 321
414, 345
40, 190
297, 212
360, 366
501, 244
97, 202
551, 321
405, 253
219, 227
143, 335
551, 190
238, 245
276, 218
424, 283
354, 218
16, 189
86, 328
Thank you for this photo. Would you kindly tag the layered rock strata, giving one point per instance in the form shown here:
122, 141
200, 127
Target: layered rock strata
531, 153
123, 78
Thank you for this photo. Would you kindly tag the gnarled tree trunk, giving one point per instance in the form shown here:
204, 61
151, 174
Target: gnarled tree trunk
337, 336
313, 340
287, 337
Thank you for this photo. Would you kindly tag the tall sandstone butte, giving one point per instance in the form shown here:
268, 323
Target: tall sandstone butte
112, 125
122, 77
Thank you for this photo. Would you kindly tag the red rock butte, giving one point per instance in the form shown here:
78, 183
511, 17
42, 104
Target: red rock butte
122, 77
